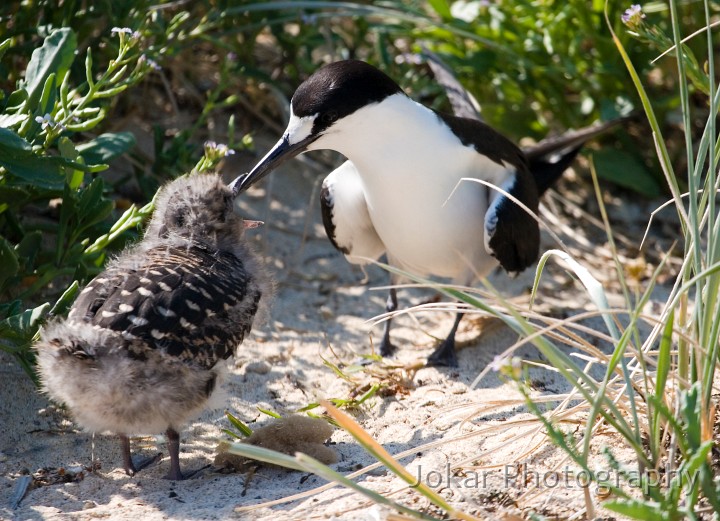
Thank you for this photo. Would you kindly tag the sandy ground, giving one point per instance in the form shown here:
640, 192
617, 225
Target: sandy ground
436, 421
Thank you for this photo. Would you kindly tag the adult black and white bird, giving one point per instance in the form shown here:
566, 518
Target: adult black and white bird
145, 343
398, 192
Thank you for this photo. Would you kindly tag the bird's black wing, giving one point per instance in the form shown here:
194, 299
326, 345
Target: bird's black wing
193, 303
326, 211
463, 103
486, 140
512, 234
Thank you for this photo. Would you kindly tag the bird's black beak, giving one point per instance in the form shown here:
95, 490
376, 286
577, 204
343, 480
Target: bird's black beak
281, 152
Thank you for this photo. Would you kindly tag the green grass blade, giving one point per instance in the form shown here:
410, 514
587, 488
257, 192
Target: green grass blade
266, 455
305, 463
352, 9
270, 413
663, 154
663, 370
592, 286
238, 424
314, 466
636, 509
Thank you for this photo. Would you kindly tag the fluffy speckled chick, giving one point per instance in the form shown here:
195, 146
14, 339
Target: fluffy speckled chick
145, 342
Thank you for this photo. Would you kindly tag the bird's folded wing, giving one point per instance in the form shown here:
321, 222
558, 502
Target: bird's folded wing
189, 303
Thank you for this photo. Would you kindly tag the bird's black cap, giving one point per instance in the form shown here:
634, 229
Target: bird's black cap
331, 93
339, 89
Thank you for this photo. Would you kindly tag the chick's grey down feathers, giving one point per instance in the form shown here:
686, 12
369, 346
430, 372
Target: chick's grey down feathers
144, 343
141, 304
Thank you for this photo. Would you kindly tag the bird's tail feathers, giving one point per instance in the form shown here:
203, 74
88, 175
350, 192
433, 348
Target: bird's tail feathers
571, 138
548, 168
549, 158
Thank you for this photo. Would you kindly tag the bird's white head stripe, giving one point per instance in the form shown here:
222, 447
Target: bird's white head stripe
299, 128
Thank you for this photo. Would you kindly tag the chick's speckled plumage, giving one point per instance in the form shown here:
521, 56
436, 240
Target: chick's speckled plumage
143, 344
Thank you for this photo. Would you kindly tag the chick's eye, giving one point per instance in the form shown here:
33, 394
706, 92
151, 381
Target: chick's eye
179, 219
329, 117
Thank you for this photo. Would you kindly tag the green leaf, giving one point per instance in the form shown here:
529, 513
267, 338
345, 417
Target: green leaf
17, 334
17, 157
88, 124
48, 96
10, 142
55, 56
698, 459
442, 8
75, 178
231, 434
68, 151
28, 248
66, 299
664, 356
10, 120
9, 264
42, 172
626, 170
10, 308
4, 46
22, 327
88, 68
16, 100
106, 147
663, 368
12, 196
93, 207
691, 411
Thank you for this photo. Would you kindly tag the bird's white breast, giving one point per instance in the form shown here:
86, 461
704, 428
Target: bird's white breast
411, 165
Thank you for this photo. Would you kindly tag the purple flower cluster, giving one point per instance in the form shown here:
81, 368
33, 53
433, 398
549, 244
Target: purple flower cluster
633, 16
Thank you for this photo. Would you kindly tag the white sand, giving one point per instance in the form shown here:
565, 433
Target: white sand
321, 302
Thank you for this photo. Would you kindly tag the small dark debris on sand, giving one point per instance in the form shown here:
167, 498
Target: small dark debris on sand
46, 477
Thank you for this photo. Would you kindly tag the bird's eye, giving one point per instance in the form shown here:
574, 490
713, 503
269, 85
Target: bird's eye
179, 219
329, 117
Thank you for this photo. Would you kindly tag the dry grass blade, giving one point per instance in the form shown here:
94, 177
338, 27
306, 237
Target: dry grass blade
306, 463
379, 452
407, 453
687, 39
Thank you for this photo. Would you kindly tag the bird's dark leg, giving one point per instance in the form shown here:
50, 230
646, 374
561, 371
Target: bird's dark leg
445, 353
128, 464
173, 442
386, 346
